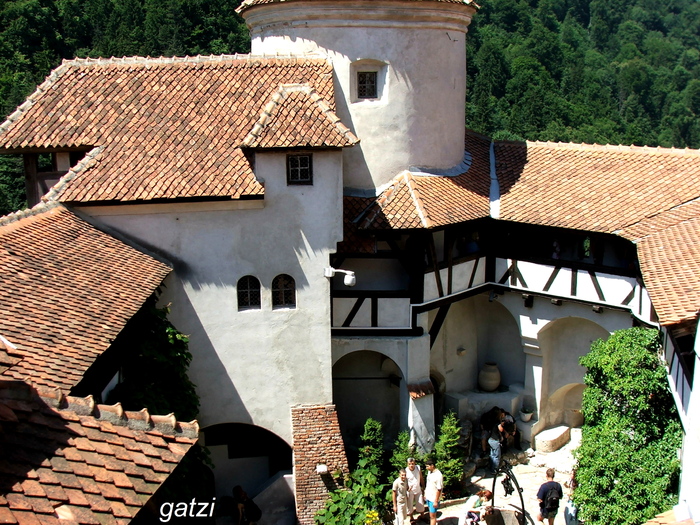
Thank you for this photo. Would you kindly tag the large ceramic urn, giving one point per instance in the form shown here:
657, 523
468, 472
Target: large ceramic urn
489, 377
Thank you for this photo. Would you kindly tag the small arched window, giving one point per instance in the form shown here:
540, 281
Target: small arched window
248, 289
283, 292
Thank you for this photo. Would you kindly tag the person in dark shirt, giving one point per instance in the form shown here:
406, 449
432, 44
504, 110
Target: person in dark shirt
549, 495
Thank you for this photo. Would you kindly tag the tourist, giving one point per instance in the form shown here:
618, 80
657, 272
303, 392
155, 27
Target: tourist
475, 508
433, 490
399, 495
415, 482
549, 495
570, 511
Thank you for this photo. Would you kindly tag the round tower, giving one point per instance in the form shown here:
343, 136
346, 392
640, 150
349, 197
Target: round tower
400, 75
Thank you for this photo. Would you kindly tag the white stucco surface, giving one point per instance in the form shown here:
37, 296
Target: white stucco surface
250, 366
418, 118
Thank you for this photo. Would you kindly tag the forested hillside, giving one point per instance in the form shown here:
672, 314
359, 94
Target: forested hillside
603, 71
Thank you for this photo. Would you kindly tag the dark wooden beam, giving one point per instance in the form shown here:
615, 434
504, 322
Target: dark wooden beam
438, 322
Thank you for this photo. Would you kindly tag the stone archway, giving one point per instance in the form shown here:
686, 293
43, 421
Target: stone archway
367, 384
246, 455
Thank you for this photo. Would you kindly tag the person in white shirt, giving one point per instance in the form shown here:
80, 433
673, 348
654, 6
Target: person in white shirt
415, 492
433, 490
399, 494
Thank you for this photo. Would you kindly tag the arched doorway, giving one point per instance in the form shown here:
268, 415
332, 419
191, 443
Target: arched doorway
246, 455
366, 384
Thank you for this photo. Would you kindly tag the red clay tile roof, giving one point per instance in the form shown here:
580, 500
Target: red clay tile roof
65, 460
67, 289
669, 257
353, 240
168, 127
426, 201
297, 116
591, 187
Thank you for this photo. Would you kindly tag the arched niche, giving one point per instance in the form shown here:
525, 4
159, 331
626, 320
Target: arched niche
367, 384
246, 455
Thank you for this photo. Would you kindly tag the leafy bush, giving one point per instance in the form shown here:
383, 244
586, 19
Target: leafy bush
404, 450
449, 455
372, 447
627, 463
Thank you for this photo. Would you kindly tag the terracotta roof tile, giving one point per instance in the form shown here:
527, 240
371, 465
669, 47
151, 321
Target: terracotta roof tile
75, 491
590, 187
669, 257
79, 286
170, 127
416, 200
297, 116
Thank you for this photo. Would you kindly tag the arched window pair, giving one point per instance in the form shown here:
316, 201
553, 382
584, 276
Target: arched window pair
283, 292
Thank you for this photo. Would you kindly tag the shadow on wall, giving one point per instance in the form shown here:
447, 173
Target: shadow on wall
366, 384
245, 455
564, 407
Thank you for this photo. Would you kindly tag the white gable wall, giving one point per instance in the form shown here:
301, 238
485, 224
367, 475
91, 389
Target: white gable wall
250, 366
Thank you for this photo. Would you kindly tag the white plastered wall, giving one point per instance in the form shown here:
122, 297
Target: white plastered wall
418, 119
690, 468
250, 366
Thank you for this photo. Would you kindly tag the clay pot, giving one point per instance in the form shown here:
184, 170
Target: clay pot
525, 416
489, 377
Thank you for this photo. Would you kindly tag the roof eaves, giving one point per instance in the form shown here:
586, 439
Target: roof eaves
86, 162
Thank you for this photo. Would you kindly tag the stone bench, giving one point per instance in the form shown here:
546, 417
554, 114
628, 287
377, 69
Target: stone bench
552, 439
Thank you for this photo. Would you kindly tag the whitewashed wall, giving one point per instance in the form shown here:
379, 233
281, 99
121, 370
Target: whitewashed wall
250, 366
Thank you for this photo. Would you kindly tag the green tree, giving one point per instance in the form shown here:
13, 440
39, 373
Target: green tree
372, 448
449, 454
628, 468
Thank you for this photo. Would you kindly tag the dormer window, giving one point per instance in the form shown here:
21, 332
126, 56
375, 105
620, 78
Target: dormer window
299, 169
366, 84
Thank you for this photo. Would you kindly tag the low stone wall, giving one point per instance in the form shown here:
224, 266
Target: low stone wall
319, 457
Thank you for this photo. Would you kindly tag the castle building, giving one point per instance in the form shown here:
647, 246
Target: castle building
341, 247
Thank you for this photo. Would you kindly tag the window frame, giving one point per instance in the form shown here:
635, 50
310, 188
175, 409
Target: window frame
361, 85
248, 290
280, 292
300, 182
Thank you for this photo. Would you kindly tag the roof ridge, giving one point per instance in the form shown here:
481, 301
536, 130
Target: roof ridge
415, 195
85, 406
37, 209
605, 147
87, 161
187, 59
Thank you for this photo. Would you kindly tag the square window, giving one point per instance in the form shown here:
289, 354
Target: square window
299, 169
366, 84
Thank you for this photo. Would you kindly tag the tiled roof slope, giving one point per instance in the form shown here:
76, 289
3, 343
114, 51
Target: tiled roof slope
66, 290
65, 460
168, 127
353, 211
427, 201
250, 3
297, 116
590, 187
668, 248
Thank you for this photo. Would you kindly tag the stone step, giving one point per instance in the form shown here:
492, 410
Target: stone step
552, 439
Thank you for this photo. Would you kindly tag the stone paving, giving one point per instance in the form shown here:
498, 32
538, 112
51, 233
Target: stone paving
529, 476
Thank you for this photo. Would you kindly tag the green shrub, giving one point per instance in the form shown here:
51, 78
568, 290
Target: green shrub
404, 450
627, 463
352, 504
449, 455
372, 447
